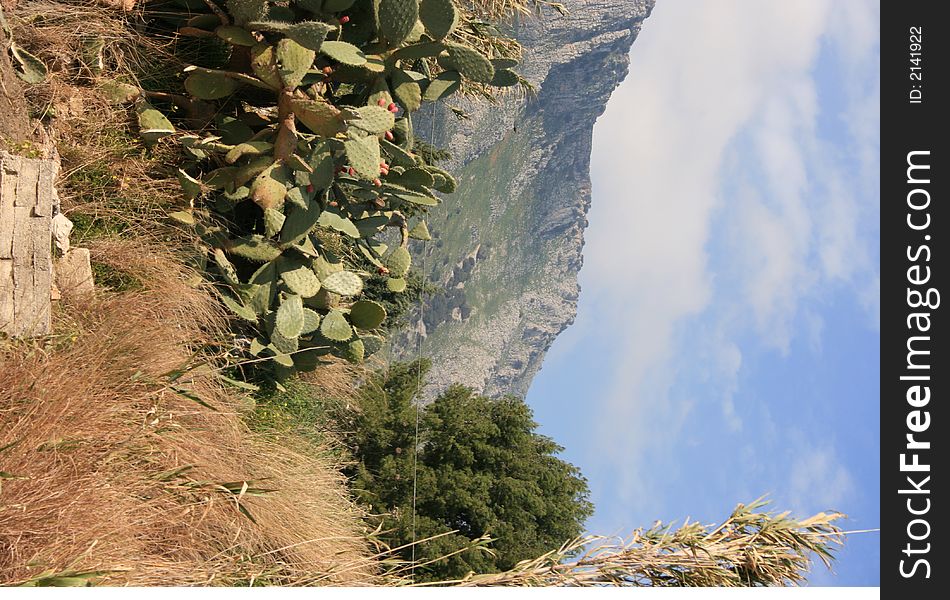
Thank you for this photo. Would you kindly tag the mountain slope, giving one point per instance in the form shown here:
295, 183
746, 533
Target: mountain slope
507, 245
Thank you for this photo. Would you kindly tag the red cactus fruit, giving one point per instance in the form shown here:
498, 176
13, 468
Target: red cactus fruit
389, 136
392, 107
310, 188
377, 182
381, 102
344, 20
351, 171
382, 271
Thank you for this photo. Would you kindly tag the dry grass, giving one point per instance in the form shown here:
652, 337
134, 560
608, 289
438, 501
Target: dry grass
750, 548
111, 470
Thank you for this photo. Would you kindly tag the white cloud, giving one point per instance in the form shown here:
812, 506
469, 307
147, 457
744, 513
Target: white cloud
818, 481
705, 76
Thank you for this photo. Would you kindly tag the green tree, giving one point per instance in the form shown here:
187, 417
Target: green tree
481, 469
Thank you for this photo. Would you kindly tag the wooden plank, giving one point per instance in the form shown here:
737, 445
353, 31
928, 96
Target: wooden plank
9, 166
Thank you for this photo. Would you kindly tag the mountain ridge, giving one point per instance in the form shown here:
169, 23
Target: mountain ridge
508, 244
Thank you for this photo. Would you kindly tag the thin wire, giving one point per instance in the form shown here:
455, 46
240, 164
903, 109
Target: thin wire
422, 308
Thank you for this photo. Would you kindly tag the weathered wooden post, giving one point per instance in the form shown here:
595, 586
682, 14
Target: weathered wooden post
26, 263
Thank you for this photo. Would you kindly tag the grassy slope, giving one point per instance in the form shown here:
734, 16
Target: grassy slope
483, 201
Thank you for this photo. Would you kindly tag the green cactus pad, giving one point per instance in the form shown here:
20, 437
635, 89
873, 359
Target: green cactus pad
225, 267
320, 117
189, 185
290, 317
399, 156
420, 50
439, 17
370, 226
397, 18
363, 155
449, 185
301, 280
505, 78
284, 344
244, 11
153, 125
238, 308
343, 52
334, 326
267, 192
323, 169
293, 62
311, 321
254, 248
398, 262
273, 221
354, 351
117, 92
255, 148
379, 90
309, 34
407, 89
415, 178
371, 344
367, 314
299, 222
420, 232
264, 65
470, 63
235, 35
419, 199
257, 346
333, 220
210, 85
344, 283
445, 84
504, 63
396, 285
374, 119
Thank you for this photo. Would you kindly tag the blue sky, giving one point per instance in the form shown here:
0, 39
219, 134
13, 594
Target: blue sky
727, 338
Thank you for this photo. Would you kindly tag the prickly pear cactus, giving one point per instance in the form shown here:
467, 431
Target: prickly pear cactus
310, 156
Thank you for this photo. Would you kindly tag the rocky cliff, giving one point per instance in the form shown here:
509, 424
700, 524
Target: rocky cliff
507, 245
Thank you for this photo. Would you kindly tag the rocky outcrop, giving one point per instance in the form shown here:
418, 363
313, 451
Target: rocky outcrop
508, 244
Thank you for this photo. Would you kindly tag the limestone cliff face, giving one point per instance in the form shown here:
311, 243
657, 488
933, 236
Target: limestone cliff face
508, 244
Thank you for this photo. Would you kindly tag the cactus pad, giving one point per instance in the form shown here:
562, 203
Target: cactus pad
407, 89
397, 18
399, 261
367, 314
299, 222
264, 65
343, 52
396, 284
309, 34
293, 62
344, 283
301, 280
470, 63
333, 220
445, 84
267, 192
354, 351
439, 17
320, 117
273, 221
363, 155
420, 232
290, 317
254, 248
235, 35
334, 326
311, 321
374, 119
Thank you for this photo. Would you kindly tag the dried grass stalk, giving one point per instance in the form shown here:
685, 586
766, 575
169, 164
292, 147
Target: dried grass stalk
750, 548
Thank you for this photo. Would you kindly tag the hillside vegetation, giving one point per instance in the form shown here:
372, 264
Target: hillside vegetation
248, 180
